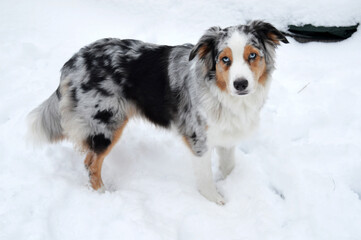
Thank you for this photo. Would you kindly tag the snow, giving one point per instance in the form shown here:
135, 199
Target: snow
298, 177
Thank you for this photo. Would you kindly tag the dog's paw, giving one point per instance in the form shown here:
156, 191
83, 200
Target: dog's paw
213, 195
101, 189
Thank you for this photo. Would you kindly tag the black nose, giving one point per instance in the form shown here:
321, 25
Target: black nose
240, 84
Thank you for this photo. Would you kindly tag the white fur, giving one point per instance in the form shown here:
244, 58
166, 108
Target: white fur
226, 160
36, 133
230, 118
239, 68
204, 178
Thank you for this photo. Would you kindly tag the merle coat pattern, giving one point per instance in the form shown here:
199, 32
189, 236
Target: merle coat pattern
176, 87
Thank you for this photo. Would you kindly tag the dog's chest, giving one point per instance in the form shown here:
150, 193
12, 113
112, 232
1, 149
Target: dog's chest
230, 119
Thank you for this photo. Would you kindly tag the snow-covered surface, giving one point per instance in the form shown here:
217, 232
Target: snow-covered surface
299, 177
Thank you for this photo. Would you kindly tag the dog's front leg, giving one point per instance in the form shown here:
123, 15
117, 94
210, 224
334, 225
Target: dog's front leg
226, 160
194, 131
204, 177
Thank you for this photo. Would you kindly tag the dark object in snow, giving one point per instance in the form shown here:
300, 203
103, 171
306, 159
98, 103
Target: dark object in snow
310, 33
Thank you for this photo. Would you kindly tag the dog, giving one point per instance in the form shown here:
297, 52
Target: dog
210, 93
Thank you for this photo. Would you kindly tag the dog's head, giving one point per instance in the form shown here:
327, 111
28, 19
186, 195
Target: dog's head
239, 57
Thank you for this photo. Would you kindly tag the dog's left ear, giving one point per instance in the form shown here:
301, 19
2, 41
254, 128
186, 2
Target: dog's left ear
205, 48
267, 32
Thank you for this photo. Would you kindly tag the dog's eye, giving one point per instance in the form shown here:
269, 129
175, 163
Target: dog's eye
252, 56
226, 60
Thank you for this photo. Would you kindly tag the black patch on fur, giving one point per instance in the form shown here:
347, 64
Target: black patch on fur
74, 97
100, 67
104, 116
86, 87
117, 77
128, 43
186, 107
209, 42
194, 139
70, 64
104, 92
58, 94
98, 143
263, 32
148, 85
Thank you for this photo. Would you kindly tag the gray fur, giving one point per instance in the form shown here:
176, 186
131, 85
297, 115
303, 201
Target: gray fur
190, 121
45, 121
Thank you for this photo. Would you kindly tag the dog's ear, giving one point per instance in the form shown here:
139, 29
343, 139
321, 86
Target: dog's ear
267, 33
206, 47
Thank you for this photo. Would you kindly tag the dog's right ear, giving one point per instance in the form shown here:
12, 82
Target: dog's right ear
205, 48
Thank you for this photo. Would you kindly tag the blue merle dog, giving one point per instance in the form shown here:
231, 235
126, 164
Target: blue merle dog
210, 93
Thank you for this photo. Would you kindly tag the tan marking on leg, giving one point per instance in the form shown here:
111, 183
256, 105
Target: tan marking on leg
95, 169
222, 69
88, 159
185, 140
94, 162
257, 65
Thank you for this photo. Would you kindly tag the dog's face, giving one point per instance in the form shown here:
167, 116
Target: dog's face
240, 57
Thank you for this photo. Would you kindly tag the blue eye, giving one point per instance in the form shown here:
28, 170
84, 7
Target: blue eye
252, 56
226, 60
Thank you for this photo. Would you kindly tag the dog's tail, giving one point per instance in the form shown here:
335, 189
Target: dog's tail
44, 122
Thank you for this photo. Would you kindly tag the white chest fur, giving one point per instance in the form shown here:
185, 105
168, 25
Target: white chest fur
232, 118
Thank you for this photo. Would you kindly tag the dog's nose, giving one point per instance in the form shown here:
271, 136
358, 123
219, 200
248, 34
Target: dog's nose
240, 84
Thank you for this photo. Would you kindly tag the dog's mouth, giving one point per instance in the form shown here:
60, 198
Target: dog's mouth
242, 93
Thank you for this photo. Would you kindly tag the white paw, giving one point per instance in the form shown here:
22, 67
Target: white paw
101, 189
213, 196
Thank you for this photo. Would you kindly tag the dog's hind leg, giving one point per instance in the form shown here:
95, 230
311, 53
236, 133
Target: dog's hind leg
94, 166
94, 160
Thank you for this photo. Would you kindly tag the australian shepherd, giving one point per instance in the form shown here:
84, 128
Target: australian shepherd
210, 93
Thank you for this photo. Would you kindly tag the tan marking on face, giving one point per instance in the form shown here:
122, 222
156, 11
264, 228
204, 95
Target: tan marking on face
262, 80
222, 69
258, 65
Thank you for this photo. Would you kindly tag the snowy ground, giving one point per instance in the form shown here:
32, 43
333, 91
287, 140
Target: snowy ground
299, 177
